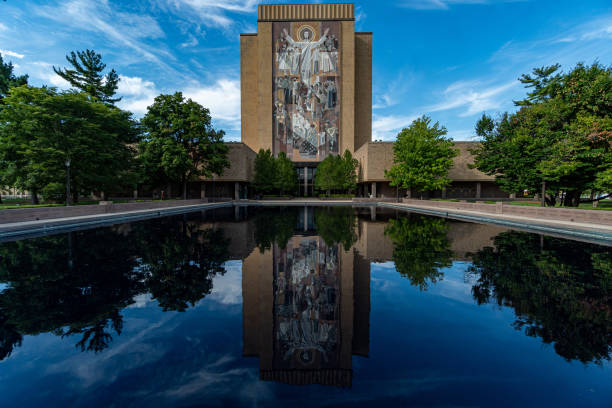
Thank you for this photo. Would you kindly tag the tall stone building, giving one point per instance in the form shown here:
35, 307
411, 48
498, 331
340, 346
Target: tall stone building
306, 84
306, 91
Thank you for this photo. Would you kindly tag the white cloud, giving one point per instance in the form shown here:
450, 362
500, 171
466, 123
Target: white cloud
3, 27
11, 54
137, 94
43, 71
222, 99
213, 13
474, 96
99, 16
387, 127
446, 4
585, 42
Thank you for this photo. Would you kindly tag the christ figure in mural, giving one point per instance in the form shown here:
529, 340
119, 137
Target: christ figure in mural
308, 51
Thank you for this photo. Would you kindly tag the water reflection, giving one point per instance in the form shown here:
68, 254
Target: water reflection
78, 283
307, 282
560, 290
311, 314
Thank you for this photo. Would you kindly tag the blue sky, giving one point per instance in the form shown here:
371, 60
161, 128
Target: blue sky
450, 59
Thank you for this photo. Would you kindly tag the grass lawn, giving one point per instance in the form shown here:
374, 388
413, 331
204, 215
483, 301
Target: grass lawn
605, 205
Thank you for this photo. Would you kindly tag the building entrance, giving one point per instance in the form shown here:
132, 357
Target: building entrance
306, 180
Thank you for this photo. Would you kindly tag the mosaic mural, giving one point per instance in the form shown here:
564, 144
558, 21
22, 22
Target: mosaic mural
306, 89
306, 305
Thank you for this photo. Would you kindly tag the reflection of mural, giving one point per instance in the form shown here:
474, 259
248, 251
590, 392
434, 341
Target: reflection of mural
306, 84
306, 305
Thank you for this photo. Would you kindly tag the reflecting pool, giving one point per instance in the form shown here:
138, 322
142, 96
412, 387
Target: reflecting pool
323, 306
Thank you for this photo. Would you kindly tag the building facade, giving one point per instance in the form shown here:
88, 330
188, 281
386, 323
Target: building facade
306, 84
306, 91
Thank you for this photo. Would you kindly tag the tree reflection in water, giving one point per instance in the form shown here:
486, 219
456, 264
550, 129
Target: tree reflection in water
560, 290
78, 283
420, 248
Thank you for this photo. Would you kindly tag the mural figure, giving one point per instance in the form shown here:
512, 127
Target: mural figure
306, 88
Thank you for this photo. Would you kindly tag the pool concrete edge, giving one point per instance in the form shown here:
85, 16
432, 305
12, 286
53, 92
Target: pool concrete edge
591, 233
563, 229
55, 225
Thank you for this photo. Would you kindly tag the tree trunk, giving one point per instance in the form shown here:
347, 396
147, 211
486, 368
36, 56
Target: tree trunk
75, 195
34, 193
184, 189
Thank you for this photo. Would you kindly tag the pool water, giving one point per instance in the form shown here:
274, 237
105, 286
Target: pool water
325, 306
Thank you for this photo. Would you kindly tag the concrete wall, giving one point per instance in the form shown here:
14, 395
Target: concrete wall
45, 213
242, 159
347, 89
543, 213
248, 90
376, 157
363, 89
460, 170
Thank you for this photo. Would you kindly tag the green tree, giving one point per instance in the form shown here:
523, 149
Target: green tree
420, 248
561, 135
180, 143
422, 157
42, 128
286, 179
86, 75
349, 171
337, 173
328, 174
8, 78
265, 172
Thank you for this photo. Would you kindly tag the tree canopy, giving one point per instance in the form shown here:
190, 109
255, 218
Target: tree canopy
274, 173
422, 157
561, 135
180, 144
86, 75
43, 128
8, 78
337, 173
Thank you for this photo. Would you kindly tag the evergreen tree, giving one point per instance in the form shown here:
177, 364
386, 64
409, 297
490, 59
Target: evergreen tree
86, 75
181, 145
8, 78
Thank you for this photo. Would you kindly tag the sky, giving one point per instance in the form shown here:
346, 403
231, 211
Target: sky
449, 59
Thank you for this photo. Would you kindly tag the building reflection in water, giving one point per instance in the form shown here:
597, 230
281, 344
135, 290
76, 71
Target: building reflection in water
306, 309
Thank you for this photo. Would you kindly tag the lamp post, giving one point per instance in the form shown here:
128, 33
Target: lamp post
67, 182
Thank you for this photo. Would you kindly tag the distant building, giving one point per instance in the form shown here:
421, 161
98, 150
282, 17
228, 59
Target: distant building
306, 90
